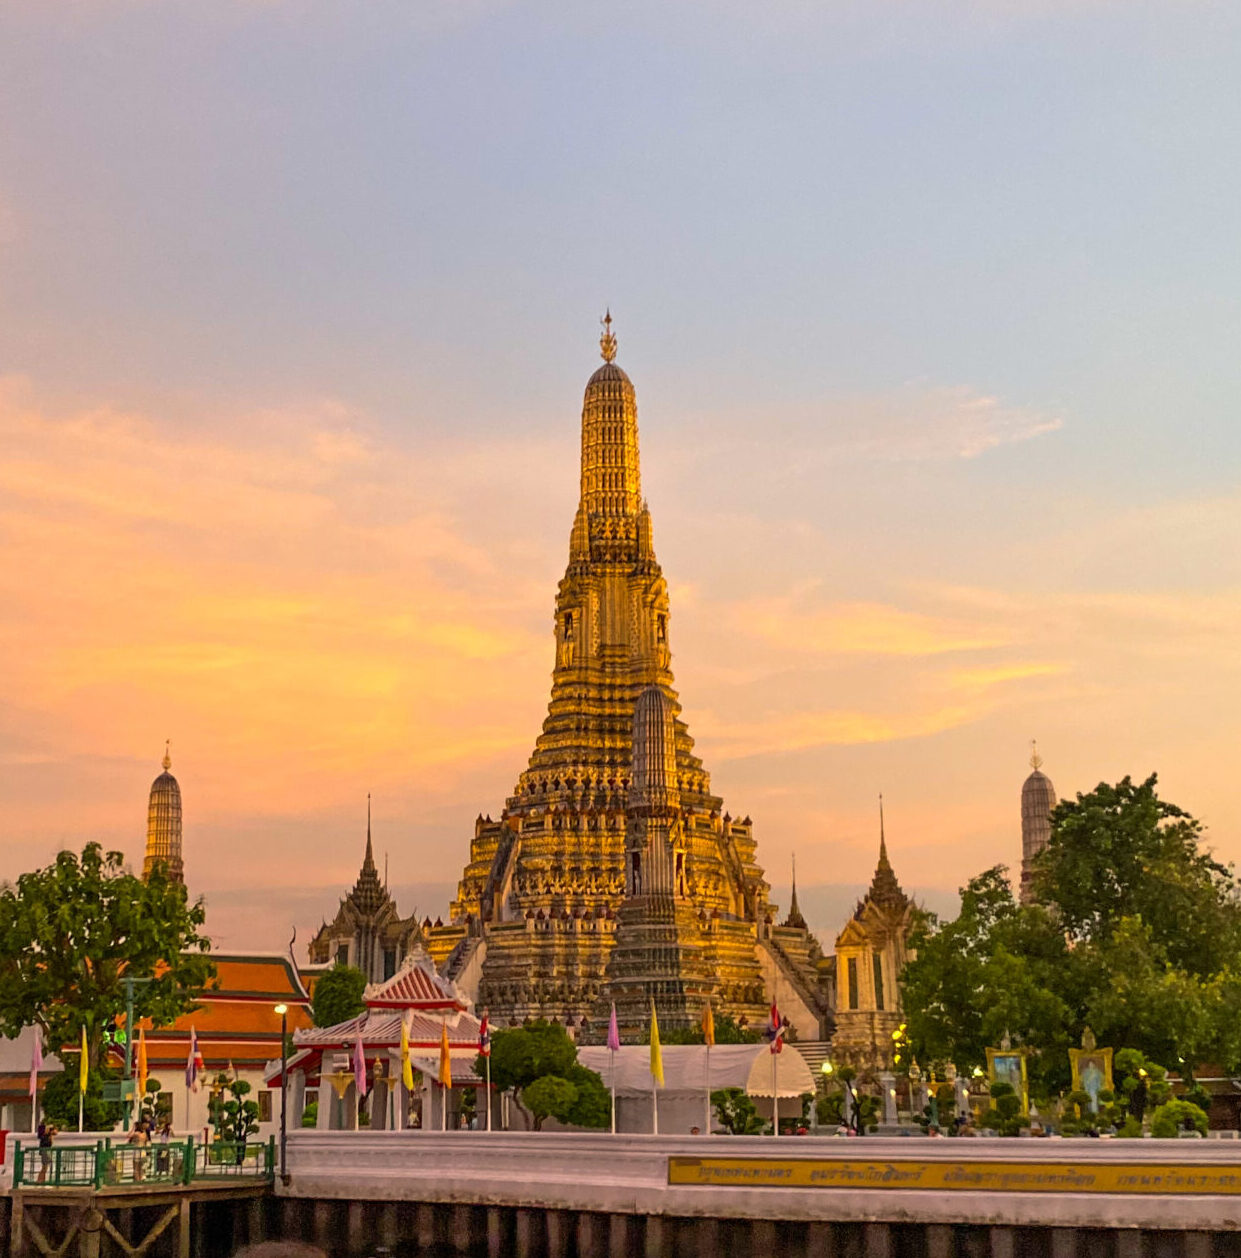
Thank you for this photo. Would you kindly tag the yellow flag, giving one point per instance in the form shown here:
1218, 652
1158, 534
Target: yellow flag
407, 1067
445, 1060
657, 1058
708, 1025
83, 1066
142, 1063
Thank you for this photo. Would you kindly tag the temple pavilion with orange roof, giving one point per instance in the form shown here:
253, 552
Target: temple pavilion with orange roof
323, 1057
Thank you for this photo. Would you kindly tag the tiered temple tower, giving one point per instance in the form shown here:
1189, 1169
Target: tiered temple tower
1038, 798
871, 952
536, 910
367, 932
164, 825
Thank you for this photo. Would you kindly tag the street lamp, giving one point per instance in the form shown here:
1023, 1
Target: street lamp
283, 1011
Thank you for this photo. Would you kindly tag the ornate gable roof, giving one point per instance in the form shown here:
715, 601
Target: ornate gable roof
416, 985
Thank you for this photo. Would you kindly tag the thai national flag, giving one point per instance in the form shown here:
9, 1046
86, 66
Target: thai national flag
484, 1037
193, 1062
775, 1029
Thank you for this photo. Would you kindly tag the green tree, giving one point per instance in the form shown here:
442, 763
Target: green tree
1005, 1116
1135, 932
338, 995
60, 1099
736, 1112
522, 1056
998, 968
548, 1096
727, 1031
1120, 854
234, 1118
1174, 1117
593, 1106
149, 1105
69, 935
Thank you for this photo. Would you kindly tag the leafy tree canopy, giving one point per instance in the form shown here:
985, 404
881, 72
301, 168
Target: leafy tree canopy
59, 1100
1121, 853
543, 1054
338, 995
69, 935
1135, 933
727, 1031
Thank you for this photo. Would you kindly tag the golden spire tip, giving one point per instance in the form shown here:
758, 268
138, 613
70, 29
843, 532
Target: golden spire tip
167, 762
1036, 761
607, 342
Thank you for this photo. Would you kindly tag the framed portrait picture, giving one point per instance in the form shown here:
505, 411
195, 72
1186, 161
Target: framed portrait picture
1008, 1065
1092, 1072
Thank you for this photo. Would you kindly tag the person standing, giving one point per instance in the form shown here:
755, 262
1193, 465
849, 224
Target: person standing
47, 1133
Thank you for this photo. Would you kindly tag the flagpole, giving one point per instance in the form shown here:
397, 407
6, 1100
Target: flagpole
706, 1131
775, 1098
612, 1080
655, 1103
81, 1098
488, 1091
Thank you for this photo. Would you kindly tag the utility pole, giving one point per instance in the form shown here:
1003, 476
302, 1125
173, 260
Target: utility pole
126, 1100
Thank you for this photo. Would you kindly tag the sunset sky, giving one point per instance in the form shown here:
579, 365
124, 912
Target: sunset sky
934, 314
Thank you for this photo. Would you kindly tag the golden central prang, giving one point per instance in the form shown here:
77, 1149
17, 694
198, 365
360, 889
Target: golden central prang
537, 916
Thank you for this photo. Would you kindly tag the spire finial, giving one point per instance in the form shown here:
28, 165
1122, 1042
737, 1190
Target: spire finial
883, 841
607, 342
369, 858
1036, 761
167, 761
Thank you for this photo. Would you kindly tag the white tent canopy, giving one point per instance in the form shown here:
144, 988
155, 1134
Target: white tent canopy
745, 1066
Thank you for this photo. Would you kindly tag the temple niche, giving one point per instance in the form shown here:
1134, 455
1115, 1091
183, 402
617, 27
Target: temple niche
535, 921
871, 952
367, 932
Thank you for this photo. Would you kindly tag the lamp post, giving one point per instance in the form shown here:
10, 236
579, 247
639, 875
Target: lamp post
283, 1011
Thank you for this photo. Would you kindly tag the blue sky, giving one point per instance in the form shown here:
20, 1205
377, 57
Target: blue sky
933, 310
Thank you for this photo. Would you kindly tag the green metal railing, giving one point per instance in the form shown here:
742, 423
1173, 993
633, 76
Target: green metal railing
107, 1165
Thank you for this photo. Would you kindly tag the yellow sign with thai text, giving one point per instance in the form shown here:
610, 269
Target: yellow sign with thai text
1115, 1177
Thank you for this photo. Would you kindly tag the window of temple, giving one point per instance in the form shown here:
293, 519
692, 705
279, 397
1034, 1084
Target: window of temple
389, 962
661, 628
636, 874
568, 626
680, 873
342, 955
877, 959
265, 1105
852, 972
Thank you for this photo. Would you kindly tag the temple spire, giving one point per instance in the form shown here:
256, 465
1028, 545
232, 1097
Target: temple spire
607, 342
368, 861
167, 761
795, 918
883, 841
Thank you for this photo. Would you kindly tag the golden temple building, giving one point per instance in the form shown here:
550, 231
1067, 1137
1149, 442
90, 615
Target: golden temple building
163, 845
871, 952
544, 920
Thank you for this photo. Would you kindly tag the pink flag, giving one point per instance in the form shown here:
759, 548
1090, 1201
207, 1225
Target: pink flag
36, 1062
359, 1066
613, 1032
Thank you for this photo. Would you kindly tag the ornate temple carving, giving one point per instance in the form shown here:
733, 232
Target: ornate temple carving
536, 915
